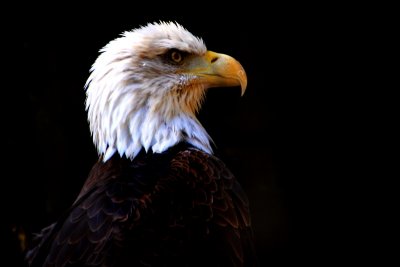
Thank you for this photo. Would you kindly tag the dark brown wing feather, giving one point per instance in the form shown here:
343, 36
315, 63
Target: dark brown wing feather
222, 206
179, 208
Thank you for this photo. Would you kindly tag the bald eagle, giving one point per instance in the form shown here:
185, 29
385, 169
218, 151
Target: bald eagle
157, 195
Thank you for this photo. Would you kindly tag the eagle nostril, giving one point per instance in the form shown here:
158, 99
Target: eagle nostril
214, 59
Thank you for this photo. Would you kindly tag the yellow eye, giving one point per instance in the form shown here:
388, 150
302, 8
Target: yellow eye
176, 56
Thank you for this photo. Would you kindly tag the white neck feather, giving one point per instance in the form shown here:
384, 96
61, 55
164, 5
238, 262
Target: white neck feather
123, 121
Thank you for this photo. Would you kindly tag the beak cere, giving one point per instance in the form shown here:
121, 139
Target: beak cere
217, 70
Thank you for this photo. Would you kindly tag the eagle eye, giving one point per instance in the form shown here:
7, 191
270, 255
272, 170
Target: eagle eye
175, 56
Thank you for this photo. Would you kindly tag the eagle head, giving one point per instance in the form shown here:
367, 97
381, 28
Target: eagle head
146, 86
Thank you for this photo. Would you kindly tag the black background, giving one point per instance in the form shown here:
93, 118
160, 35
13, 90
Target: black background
281, 138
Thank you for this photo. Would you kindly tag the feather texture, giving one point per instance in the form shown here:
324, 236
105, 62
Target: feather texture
136, 101
182, 207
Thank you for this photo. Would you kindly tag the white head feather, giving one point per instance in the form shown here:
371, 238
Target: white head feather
135, 100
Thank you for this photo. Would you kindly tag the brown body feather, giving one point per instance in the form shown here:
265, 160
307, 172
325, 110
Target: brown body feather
182, 207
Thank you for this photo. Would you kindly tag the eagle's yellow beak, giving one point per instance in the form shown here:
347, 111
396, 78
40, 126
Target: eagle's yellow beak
217, 70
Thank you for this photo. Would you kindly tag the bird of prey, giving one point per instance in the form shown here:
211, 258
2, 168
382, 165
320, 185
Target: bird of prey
157, 196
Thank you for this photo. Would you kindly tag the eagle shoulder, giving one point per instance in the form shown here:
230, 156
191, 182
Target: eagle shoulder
175, 208
218, 200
